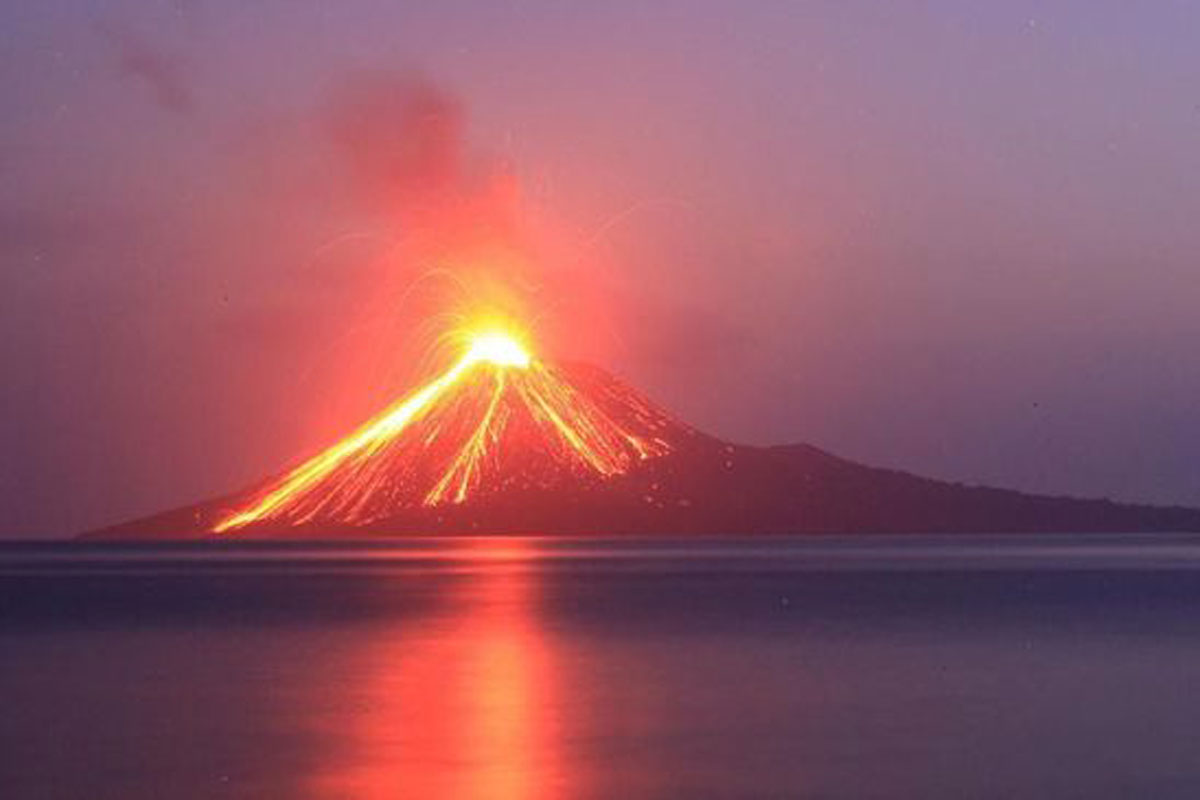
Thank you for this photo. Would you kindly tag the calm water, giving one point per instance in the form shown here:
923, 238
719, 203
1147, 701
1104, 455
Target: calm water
524, 668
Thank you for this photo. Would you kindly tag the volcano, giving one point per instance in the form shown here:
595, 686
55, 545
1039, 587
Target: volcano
504, 443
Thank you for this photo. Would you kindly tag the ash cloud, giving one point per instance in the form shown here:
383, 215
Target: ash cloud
402, 139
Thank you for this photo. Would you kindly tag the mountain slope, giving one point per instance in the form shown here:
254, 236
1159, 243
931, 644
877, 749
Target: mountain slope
491, 430
509, 445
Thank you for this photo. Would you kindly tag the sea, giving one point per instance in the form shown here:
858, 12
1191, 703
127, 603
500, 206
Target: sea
524, 667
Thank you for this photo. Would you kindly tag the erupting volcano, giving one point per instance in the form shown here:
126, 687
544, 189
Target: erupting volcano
504, 442
498, 420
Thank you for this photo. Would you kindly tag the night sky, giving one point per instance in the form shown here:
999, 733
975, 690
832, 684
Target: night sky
957, 238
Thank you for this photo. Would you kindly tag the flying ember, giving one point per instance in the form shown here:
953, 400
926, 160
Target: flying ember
497, 420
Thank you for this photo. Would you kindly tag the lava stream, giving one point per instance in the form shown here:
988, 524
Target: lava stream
497, 419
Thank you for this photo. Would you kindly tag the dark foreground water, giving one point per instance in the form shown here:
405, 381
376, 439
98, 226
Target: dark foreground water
525, 668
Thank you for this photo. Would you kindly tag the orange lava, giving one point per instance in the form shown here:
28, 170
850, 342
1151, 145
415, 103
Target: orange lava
435, 445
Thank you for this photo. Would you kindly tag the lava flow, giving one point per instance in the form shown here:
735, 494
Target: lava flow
497, 420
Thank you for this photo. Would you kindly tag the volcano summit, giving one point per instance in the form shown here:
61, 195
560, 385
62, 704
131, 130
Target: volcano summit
496, 422
503, 442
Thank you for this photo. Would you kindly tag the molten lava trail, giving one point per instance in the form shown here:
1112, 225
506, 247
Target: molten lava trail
454, 422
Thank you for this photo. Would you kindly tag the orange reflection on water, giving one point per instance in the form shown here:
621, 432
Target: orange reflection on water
460, 703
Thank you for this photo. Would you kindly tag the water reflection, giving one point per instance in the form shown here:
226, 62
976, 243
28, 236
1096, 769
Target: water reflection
632, 669
460, 702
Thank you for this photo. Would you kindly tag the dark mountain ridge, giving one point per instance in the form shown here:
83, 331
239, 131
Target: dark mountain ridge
693, 485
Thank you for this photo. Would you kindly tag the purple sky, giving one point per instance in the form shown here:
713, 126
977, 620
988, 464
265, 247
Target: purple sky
958, 238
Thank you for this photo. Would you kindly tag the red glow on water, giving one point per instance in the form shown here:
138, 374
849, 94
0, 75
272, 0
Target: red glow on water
462, 703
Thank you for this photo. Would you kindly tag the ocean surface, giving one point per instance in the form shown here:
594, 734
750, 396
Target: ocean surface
821, 667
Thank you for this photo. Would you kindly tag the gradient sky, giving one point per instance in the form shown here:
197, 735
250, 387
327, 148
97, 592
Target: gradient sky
958, 238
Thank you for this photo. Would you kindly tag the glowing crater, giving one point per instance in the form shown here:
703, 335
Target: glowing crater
499, 349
